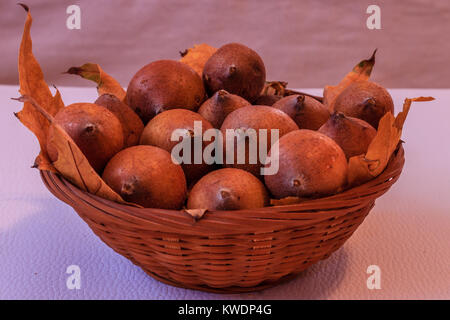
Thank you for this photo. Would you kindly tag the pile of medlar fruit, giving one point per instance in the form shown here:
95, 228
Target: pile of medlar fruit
130, 142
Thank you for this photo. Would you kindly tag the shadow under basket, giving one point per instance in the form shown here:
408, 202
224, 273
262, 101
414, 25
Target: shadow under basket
228, 251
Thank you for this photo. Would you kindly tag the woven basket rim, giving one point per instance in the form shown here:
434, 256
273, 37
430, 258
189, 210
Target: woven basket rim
357, 196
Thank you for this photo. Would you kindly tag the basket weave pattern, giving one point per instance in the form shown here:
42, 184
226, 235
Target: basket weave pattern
228, 251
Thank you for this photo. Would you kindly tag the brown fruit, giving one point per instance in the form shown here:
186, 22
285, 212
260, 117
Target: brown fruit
220, 105
159, 130
228, 189
146, 175
94, 129
236, 69
267, 100
256, 118
307, 112
310, 165
164, 85
131, 124
365, 100
353, 135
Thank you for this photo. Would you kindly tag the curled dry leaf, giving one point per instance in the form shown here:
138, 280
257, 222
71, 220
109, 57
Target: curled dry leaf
197, 56
71, 162
37, 115
276, 88
196, 213
285, 201
363, 168
32, 83
360, 72
105, 83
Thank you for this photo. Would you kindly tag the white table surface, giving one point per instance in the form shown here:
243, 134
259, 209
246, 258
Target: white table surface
407, 234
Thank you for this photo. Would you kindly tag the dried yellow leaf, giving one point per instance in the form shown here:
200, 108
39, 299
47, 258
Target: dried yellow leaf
365, 167
360, 72
197, 56
31, 80
71, 162
105, 83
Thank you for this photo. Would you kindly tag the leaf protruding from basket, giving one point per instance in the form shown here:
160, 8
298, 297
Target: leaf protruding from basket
363, 168
71, 162
360, 72
31, 80
197, 56
105, 83
196, 213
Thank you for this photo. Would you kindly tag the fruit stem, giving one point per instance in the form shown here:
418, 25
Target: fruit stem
232, 70
337, 115
369, 103
221, 94
300, 102
89, 128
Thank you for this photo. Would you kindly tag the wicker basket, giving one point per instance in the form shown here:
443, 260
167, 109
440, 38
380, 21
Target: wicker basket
228, 251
